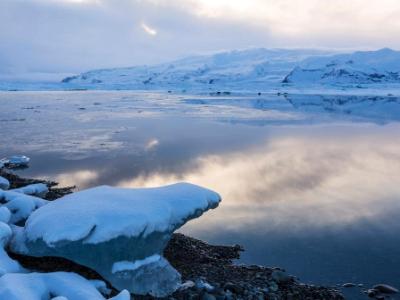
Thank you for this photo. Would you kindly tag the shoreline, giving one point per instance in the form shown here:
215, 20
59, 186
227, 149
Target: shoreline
208, 271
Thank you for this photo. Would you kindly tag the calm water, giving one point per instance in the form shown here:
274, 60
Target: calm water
309, 183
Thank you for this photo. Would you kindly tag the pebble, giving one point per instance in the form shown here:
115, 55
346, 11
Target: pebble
372, 292
201, 284
385, 288
207, 296
273, 286
348, 285
187, 285
280, 276
233, 288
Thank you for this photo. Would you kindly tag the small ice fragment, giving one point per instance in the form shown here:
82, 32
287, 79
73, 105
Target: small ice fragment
187, 285
19, 160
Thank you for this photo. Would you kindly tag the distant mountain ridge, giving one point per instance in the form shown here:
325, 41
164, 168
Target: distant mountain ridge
361, 67
240, 67
250, 69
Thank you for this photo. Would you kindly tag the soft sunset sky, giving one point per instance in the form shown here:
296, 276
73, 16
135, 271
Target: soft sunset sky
39, 38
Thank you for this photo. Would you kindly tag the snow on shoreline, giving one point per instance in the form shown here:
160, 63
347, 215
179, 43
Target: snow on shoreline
120, 233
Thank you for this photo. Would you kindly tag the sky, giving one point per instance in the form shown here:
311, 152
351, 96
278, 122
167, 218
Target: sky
46, 39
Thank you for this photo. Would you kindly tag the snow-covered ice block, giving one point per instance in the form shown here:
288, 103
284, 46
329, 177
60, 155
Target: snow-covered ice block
7, 264
59, 285
5, 214
37, 189
4, 183
152, 275
101, 286
20, 205
118, 232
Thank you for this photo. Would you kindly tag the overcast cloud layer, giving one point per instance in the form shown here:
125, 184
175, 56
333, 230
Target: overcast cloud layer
70, 36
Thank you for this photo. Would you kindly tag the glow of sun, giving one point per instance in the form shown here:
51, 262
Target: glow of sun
148, 29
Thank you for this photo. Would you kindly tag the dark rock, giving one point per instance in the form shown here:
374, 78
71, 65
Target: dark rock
236, 289
385, 288
207, 296
280, 276
372, 292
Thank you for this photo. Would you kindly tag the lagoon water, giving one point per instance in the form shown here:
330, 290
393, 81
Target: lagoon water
309, 183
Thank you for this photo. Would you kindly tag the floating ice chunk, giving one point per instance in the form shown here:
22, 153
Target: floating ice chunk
109, 229
19, 160
61, 285
37, 189
4, 183
20, 205
7, 264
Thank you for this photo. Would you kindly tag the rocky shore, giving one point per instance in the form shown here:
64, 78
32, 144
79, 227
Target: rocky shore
208, 271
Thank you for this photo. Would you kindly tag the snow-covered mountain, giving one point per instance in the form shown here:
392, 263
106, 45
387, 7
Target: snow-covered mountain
382, 66
252, 67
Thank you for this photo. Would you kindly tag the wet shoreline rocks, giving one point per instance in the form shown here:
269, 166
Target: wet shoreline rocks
208, 272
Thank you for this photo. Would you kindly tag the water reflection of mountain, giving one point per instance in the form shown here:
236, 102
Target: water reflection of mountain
378, 109
297, 108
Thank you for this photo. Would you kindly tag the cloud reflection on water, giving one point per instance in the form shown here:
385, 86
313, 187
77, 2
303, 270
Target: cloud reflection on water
307, 179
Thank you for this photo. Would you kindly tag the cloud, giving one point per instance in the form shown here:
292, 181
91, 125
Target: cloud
69, 36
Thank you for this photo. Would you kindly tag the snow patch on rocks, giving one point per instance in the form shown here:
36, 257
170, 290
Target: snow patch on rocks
20, 205
60, 285
37, 189
4, 183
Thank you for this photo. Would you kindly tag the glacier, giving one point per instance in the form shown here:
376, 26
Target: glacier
120, 233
